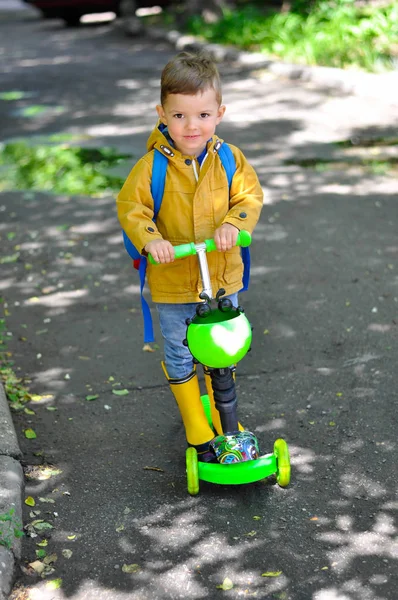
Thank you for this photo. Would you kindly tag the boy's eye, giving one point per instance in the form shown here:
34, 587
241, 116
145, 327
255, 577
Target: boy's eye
204, 115
178, 116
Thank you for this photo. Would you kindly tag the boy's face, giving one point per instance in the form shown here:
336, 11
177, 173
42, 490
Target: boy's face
191, 120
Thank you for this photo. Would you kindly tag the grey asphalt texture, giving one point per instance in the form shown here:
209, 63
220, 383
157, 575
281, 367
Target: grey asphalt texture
108, 474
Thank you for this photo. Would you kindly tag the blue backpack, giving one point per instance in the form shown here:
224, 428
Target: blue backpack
160, 162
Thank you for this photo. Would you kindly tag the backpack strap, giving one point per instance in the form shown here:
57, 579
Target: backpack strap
160, 162
228, 162
159, 169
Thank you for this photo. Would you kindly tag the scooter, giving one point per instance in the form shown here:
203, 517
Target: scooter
218, 338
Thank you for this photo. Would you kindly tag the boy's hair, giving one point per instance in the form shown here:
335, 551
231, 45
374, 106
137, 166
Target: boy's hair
190, 74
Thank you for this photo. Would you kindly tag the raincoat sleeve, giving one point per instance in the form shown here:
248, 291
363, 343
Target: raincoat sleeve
135, 205
246, 195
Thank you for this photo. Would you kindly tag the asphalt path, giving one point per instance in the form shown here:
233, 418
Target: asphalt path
108, 474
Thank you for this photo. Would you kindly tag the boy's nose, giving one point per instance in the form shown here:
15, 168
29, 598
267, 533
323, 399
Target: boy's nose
191, 124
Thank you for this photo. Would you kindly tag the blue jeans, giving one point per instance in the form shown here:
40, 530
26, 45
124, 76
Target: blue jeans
172, 319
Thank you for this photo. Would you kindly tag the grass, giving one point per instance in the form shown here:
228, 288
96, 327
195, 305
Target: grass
59, 168
336, 33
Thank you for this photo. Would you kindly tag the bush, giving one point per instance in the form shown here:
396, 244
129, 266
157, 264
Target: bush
334, 33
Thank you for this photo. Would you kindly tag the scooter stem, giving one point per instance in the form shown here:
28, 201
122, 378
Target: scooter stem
223, 385
204, 270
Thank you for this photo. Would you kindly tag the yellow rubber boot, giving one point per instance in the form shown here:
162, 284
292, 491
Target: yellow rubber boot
215, 415
187, 394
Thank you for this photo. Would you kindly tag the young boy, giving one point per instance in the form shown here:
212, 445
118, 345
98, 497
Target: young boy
197, 204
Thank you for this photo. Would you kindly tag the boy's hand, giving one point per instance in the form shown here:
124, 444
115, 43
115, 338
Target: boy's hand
161, 250
225, 237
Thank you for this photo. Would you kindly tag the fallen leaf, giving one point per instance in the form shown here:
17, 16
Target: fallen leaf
134, 568
148, 348
271, 574
37, 566
51, 558
9, 259
226, 585
120, 528
47, 500
41, 525
43, 543
30, 434
153, 469
48, 570
38, 397
28, 411
120, 392
67, 553
41, 553
71, 537
257, 518
54, 584
30, 501
251, 533
93, 397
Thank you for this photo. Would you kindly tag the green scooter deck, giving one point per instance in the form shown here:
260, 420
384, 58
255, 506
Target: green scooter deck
238, 473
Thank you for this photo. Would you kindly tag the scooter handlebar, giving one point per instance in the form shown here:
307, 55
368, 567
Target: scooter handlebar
244, 239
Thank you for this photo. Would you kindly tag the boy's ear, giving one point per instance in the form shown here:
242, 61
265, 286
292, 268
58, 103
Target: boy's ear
221, 112
161, 114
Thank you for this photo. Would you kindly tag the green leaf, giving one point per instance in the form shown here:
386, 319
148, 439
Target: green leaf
9, 259
93, 397
120, 392
134, 568
30, 434
42, 525
271, 574
226, 585
54, 584
12, 95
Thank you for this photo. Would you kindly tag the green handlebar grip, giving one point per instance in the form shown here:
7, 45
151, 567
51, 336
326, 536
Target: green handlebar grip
183, 250
180, 251
244, 240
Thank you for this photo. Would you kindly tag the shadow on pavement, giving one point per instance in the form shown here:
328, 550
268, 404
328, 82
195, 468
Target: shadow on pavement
323, 303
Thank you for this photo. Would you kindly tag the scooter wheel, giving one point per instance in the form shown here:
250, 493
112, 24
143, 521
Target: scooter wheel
281, 452
191, 457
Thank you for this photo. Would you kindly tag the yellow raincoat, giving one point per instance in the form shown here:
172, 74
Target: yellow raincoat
196, 201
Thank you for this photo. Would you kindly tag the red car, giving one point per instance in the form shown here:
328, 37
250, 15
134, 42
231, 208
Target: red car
72, 10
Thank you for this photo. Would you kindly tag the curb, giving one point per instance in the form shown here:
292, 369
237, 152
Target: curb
11, 489
358, 83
